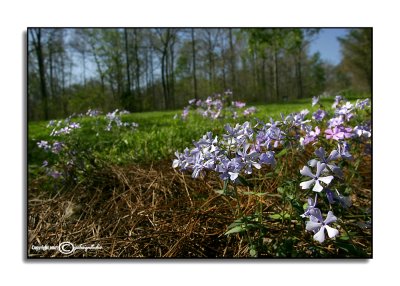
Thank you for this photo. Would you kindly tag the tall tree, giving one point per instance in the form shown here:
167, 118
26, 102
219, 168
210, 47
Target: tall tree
36, 39
357, 57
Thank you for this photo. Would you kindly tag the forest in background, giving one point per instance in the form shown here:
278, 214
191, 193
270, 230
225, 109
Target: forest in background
145, 69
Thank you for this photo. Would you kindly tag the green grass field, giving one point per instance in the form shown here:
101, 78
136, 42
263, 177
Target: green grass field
158, 136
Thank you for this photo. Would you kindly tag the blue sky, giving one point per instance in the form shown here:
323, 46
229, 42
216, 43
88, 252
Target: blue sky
327, 44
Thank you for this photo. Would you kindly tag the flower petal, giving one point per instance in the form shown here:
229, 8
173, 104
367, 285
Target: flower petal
320, 167
317, 187
306, 172
307, 184
330, 217
332, 232
320, 235
327, 180
333, 156
313, 162
313, 226
320, 152
233, 175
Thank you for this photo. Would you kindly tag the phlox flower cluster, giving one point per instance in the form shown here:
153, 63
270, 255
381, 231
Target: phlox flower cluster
216, 106
66, 148
234, 154
114, 118
243, 148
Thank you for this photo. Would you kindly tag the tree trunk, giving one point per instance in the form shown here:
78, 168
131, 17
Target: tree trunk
42, 74
129, 100
194, 65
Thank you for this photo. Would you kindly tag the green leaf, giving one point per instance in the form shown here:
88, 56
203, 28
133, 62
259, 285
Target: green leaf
220, 192
275, 216
282, 153
255, 194
236, 229
280, 190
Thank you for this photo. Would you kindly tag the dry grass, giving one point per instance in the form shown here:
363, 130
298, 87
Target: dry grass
155, 211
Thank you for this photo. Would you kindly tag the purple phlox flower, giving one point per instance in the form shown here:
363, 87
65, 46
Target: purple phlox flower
363, 103
311, 135
57, 147
343, 149
315, 100
249, 111
183, 160
54, 174
198, 165
362, 131
228, 92
274, 134
51, 123
297, 119
45, 163
230, 169
192, 101
43, 145
310, 207
317, 225
345, 111
334, 155
199, 102
209, 100
268, 158
74, 125
319, 115
338, 98
316, 179
339, 133
207, 143
238, 104
334, 197
185, 112
335, 121
92, 113
234, 135
249, 158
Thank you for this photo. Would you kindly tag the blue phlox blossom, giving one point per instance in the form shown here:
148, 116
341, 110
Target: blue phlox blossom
310, 136
362, 131
311, 209
345, 111
334, 155
230, 169
344, 150
74, 125
319, 115
249, 158
335, 121
315, 100
317, 225
43, 145
338, 99
362, 104
57, 147
316, 179
268, 158
249, 111
334, 197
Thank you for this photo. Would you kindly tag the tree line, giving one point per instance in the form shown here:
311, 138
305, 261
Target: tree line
142, 69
